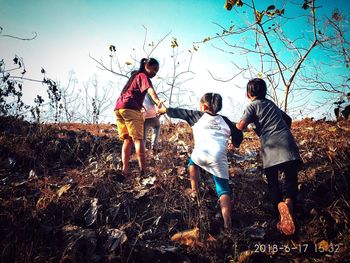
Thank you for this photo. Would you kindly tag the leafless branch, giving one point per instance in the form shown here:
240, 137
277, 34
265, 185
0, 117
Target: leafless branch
103, 67
226, 80
154, 47
19, 38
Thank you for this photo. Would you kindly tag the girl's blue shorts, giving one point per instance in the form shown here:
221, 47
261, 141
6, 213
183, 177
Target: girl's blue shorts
221, 184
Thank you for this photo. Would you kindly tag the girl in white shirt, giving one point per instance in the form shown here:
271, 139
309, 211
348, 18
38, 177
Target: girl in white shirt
211, 133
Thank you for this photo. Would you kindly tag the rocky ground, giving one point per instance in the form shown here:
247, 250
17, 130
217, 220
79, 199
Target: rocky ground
63, 199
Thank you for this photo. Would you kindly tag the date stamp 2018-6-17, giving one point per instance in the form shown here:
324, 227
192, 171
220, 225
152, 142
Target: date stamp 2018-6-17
299, 248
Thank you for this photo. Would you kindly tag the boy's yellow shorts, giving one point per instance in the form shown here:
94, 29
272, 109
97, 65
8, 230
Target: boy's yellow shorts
130, 123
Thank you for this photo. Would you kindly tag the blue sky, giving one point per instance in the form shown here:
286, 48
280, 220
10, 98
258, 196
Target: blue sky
68, 31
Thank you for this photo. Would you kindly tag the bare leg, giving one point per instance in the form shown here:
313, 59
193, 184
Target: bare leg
140, 152
225, 204
126, 152
194, 178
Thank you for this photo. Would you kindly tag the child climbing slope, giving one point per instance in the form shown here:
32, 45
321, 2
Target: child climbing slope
279, 150
211, 133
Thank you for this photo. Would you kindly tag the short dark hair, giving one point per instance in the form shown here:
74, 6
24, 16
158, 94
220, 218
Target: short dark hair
213, 101
257, 88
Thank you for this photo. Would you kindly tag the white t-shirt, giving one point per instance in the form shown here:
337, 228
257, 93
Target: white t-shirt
150, 110
211, 134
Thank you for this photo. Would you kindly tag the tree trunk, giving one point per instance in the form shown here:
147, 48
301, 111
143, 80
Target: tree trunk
285, 98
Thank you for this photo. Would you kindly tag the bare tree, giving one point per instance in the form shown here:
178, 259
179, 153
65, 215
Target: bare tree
336, 47
173, 87
92, 101
169, 86
276, 51
70, 98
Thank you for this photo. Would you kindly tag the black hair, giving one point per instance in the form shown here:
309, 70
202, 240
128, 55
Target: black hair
149, 61
257, 88
213, 101
142, 68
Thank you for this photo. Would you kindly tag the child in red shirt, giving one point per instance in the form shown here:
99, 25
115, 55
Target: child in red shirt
130, 120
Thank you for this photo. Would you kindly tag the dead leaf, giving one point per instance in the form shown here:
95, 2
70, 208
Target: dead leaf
90, 215
313, 212
63, 189
148, 181
259, 16
244, 256
206, 39
141, 193
190, 238
323, 245
116, 237
271, 7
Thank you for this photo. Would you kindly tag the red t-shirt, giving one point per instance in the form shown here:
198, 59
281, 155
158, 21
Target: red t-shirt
133, 97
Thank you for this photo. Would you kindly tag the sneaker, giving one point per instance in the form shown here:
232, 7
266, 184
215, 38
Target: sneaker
286, 224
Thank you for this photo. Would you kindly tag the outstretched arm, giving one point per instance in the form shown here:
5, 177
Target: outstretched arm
241, 125
190, 116
154, 96
236, 134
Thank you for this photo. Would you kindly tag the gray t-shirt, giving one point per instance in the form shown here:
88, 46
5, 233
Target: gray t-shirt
277, 142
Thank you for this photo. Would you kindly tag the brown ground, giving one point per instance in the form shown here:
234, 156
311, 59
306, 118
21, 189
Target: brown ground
63, 199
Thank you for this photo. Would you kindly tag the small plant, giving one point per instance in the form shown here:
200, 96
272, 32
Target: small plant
11, 85
35, 111
11, 94
54, 95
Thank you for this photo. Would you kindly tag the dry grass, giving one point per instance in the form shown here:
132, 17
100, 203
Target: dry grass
62, 199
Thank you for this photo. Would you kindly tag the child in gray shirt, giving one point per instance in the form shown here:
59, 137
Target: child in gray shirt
278, 147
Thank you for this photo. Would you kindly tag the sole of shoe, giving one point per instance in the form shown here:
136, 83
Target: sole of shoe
287, 225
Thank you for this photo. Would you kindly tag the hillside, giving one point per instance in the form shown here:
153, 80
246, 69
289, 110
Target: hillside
63, 199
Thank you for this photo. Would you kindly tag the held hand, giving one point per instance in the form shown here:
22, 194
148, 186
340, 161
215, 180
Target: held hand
230, 147
161, 109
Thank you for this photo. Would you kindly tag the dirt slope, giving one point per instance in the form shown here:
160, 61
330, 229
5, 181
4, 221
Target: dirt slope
63, 199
